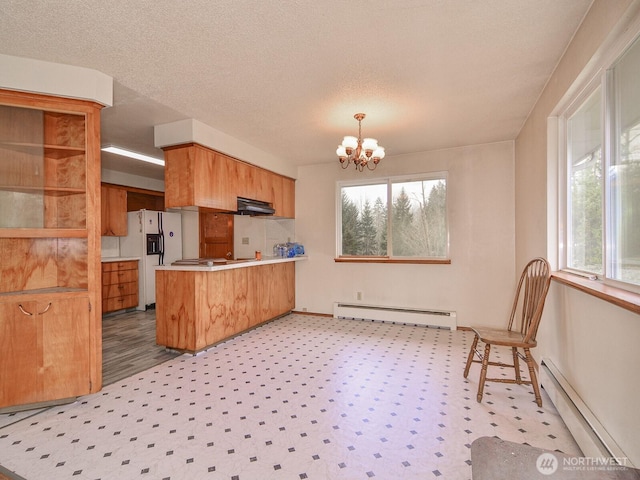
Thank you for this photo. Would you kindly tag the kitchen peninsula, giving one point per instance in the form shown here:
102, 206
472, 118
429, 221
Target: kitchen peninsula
200, 304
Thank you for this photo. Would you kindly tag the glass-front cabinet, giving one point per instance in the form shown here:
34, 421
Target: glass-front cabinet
43, 169
49, 247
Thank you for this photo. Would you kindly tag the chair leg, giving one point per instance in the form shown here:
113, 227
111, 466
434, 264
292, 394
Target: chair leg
483, 372
471, 354
516, 364
532, 376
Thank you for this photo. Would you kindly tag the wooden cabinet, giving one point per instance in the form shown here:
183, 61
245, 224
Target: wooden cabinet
45, 349
284, 201
195, 309
113, 207
49, 246
216, 234
141, 199
119, 285
197, 176
201, 177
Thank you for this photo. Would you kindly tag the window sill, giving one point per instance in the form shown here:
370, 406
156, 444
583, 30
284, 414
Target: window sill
622, 298
433, 261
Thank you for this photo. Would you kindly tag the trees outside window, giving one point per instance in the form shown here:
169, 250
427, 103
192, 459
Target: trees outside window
602, 216
404, 218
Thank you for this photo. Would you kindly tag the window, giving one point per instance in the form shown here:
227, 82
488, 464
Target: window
603, 176
585, 187
401, 218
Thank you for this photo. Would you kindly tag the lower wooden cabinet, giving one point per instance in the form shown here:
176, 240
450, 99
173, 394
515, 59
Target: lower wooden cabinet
119, 285
196, 309
44, 350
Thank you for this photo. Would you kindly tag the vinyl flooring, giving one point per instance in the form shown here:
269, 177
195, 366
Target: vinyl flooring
129, 345
303, 397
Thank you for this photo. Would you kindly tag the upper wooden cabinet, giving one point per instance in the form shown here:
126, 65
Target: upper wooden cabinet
284, 200
114, 211
198, 176
50, 245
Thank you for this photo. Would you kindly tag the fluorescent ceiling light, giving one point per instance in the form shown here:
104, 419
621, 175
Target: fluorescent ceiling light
130, 154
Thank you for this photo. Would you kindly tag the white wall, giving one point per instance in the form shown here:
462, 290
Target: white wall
126, 179
190, 233
261, 233
478, 284
592, 342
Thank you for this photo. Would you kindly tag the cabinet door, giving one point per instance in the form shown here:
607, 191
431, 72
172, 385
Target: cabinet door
284, 196
216, 235
288, 198
198, 176
113, 211
276, 289
65, 347
19, 353
219, 186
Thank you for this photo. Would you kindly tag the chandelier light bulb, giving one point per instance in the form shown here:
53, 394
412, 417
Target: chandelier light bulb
369, 144
350, 142
378, 153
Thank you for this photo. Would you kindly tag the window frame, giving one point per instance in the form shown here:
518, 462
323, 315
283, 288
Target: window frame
389, 181
603, 79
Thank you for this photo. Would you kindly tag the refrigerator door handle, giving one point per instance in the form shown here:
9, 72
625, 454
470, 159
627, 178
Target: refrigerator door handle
161, 232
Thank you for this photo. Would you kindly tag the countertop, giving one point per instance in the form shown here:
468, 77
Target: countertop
231, 264
118, 259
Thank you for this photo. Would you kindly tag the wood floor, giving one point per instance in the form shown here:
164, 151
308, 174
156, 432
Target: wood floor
129, 345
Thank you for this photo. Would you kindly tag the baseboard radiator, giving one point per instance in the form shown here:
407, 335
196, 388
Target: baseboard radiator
416, 316
589, 433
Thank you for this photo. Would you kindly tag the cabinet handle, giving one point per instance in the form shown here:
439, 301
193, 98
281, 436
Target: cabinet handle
45, 310
24, 311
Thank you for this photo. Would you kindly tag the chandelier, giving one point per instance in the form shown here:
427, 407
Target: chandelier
362, 152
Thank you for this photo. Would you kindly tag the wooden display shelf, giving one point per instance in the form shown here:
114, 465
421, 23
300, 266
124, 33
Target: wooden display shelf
46, 292
44, 190
43, 232
49, 150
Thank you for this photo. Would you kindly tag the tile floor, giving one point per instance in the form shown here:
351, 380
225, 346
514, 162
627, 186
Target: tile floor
303, 397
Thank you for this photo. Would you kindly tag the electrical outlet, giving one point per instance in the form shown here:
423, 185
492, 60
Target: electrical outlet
304, 309
358, 295
245, 240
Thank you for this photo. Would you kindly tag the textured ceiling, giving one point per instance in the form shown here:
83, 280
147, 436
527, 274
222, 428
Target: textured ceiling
287, 76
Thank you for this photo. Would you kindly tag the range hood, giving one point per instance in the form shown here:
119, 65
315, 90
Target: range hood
247, 206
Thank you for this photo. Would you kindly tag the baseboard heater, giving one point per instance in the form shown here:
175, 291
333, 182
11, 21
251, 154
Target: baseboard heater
589, 433
431, 318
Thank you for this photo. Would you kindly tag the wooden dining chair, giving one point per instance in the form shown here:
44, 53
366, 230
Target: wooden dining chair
527, 306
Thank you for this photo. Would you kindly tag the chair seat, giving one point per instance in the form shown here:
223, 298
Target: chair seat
496, 336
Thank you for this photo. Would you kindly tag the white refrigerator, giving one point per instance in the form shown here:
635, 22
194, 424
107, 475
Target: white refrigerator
155, 237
